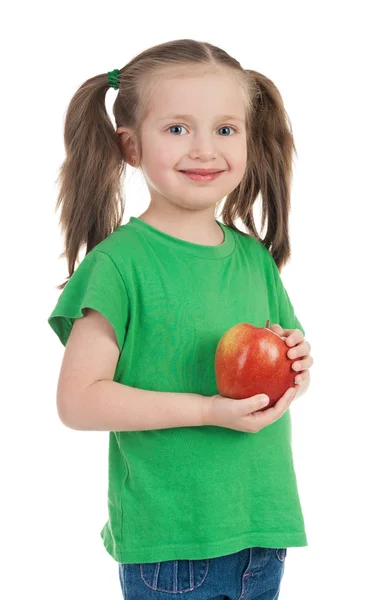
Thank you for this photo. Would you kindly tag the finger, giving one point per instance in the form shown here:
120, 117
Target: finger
300, 365
291, 332
276, 327
276, 411
284, 402
302, 349
302, 377
297, 386
293, 337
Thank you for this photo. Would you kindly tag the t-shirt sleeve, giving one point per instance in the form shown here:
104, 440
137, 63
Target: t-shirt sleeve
96, 283
287, 316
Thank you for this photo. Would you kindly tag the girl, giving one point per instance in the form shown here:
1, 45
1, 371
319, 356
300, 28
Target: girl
202, 493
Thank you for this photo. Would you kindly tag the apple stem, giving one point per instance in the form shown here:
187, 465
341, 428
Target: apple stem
267, 324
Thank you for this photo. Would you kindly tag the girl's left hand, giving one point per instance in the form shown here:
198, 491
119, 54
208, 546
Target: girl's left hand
300, 349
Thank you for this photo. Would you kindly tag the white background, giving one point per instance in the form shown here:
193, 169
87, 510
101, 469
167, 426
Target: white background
54, 480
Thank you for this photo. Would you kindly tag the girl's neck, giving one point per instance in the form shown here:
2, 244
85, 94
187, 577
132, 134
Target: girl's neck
207, 233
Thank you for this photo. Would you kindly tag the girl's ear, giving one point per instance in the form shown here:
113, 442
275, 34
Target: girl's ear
128, 144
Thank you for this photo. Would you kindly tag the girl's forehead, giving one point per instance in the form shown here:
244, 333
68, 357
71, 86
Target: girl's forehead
213, 94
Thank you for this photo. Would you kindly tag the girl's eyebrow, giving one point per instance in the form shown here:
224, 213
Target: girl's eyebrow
218, 118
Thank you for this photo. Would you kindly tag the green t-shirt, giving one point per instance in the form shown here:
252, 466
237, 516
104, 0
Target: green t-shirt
187, 492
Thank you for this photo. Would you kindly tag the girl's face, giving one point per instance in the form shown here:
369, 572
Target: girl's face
212, 137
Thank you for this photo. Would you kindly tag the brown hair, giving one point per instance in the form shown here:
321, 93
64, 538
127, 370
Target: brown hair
91, 176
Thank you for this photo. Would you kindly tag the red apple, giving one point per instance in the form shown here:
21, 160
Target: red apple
252, 360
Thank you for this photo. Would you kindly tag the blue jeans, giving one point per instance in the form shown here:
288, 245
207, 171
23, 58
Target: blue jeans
250, 574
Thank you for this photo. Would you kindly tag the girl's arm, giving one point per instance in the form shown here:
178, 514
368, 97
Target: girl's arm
89, 399
110, 406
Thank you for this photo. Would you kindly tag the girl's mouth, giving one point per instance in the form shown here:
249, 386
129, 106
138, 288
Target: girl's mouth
198, 177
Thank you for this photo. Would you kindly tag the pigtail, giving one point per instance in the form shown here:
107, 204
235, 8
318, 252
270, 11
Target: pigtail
91, 175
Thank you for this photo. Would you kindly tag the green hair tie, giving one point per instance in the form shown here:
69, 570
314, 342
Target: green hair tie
113, 78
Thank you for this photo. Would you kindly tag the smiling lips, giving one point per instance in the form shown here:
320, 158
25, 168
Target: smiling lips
202, 175
201, 171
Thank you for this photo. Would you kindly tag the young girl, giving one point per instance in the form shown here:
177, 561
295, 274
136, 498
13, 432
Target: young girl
202, 493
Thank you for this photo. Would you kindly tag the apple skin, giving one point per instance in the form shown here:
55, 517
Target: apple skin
252, 360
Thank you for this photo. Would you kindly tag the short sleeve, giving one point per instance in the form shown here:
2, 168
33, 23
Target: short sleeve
96, 283
287, 316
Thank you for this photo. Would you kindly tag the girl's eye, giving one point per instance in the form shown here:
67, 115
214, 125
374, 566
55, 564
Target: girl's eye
224, 127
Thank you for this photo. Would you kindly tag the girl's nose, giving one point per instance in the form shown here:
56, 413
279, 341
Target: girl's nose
203, 145
204, 150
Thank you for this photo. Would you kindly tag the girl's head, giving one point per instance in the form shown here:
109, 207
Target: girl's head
168, 140
237, 124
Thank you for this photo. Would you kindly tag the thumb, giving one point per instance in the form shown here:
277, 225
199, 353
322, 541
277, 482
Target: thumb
276, 327
253, 403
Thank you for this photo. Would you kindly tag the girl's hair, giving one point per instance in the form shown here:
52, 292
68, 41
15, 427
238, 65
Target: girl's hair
92, 174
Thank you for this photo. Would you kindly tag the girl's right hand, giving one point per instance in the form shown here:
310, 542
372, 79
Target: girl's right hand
242, 415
